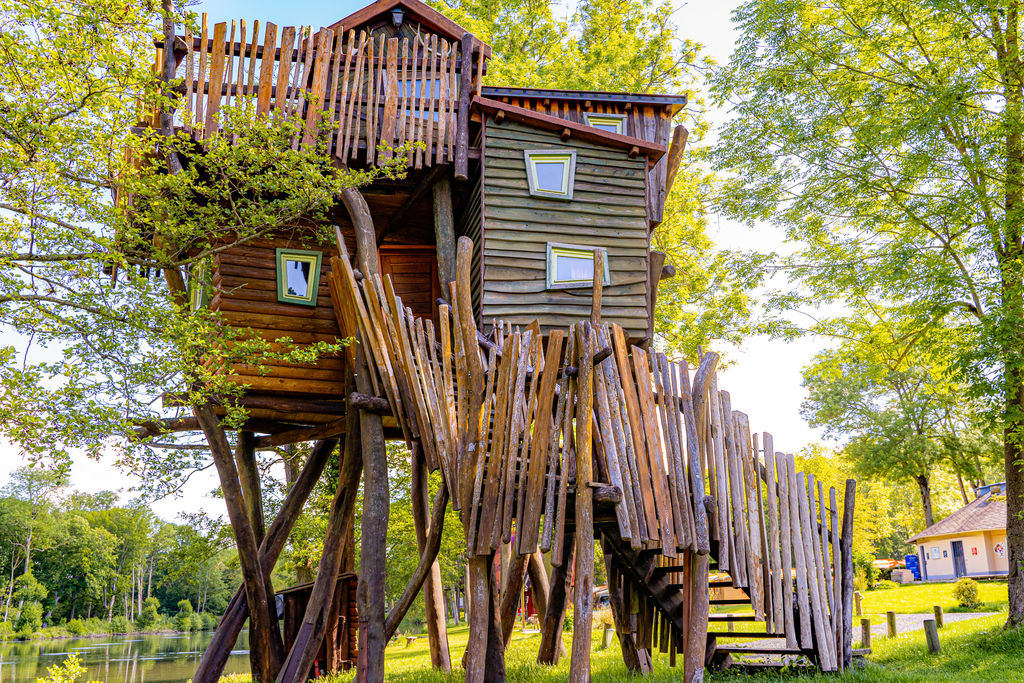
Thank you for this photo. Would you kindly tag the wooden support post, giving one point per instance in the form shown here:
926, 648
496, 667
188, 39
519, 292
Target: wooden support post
937, 610
538, 582
211, 665
857, 597
253, 578
433, 597
513, 592
444, 232
465, 96
595, 304
931, 635
890, 619
554, 617
376, 494
310, 636
583, 593
249, 478
865, 633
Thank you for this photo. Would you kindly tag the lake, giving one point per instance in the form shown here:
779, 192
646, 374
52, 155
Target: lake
133, 658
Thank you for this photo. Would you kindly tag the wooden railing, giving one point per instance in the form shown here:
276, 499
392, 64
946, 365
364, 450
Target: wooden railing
369, 93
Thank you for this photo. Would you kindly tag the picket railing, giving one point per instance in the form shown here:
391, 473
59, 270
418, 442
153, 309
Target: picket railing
369, 93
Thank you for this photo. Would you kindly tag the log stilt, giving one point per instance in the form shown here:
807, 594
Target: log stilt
433, 597
211, 665
551, 647
513, 584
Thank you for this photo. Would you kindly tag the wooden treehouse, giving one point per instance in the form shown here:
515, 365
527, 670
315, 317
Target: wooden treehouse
502, 295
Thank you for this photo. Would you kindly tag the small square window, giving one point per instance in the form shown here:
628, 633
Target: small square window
298, 276
551, 172
613, 123
572, 265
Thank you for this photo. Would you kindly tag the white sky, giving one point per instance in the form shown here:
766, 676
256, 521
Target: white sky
764, 379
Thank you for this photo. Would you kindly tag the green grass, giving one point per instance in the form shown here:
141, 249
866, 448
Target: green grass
973, 651
919, 598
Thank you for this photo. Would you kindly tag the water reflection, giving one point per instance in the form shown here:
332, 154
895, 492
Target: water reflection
118, 659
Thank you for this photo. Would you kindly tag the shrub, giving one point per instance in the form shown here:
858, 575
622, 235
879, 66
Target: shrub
185, 607
210, 621
885, 585
182, 622
148, 616
68, 672
30, 619
75, 627
567, 624
197, 621
6, 630
119, 624
966, 592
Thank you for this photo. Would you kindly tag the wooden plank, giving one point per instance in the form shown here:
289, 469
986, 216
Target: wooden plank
786, 551
493, 466
432, 96
443, 94
774, 554
515, 456
605, 431
189, 77
818, 613
267, 69
738, 522
656, 459
250, 85
822, 619
696, 484
800, 560
283, 71
389, 118
668, 411
568, 468
725, 537
583, 593
229, 63
635, 418
540, 445
553, 452
216, 79
199, 118
826, 559
837, 571
318, 89
755, 552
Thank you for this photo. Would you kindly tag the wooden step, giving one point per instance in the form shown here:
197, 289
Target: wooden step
732, 617
661, 571
745, 634
758, 649
731, 601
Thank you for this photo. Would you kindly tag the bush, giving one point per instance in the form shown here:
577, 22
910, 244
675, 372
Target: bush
209, 621
76, 627
119, 624
30, 619
864, 562
6, 630
966, 593
885, 585
68, 672
185, 607
567, 624
197, 621
148, 616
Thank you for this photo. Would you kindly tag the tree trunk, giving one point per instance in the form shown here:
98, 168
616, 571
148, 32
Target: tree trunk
553, 619
433, 597
1013, 450
924, 485
538, 582
217, 651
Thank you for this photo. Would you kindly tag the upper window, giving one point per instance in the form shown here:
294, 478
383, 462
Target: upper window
551, 172
298, 276
613, 123
572, 265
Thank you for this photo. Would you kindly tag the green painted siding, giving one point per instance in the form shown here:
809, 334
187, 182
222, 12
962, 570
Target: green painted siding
608, 209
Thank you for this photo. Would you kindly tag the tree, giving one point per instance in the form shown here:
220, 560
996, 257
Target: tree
890, 387
886, 138
37, 487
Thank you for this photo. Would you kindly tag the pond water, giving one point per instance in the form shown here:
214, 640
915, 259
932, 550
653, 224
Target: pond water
132, 658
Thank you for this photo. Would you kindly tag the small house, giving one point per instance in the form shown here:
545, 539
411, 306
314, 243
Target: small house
970, 542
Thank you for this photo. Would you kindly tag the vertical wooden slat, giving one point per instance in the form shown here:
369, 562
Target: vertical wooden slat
284, 71
250, 86
774, 554
200, 119
403, 90
267, 68
358, 86
812, 552
189, 76
432, 99
346, 105
837, 573
321, 69
442, 105
216, 79
243, 43
786, 543
755, 557
656, 457
826, 559
391, 97
799, 554
331, 105
229, 66
739, 524
722, 480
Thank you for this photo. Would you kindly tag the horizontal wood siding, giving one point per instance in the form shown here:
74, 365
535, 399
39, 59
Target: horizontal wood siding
413, 272
608, 209
245, 292
649, 122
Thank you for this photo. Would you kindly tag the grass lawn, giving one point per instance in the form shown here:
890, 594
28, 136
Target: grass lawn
919, 598
974, 651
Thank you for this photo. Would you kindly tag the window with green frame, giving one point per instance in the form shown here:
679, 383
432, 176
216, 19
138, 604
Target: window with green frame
298, 276
200, 284
551, 172
572, 265
613, 123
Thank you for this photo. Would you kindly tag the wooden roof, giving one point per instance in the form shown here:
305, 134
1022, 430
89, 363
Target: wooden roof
985, 513
674, 102
421, 12
628, 144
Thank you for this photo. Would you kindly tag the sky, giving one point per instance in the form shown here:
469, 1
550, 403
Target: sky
764, 376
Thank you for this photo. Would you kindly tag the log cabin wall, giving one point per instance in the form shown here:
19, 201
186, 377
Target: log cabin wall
607, 209
647, 121
244, 280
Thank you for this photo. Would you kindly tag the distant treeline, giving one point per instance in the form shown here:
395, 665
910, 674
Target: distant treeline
85, 562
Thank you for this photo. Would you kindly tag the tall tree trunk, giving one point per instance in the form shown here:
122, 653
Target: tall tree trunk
433, 597
924, 485
28, 549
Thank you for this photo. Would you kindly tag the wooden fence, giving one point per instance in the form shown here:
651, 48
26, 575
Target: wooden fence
365, 92
664, 439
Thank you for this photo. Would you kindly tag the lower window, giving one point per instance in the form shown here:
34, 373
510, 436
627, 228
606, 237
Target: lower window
572, 265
